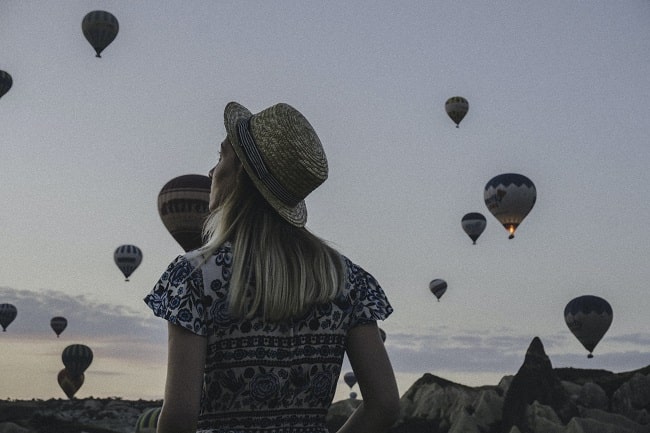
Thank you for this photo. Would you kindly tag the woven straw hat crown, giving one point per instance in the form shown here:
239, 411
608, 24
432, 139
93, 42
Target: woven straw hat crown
281, 153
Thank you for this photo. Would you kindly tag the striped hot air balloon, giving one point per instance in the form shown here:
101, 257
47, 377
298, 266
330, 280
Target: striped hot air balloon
438, 287
58, 324
77, 358
588, 317
456, 108
100, 29
8, 313
148, 420
127, 258
5, 82
510, 197
183, 206
473, 224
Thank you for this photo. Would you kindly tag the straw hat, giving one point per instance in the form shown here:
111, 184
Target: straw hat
281, 153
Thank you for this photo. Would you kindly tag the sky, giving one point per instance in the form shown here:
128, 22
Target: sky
558, 91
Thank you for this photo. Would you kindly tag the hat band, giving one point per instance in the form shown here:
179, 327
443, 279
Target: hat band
257, 163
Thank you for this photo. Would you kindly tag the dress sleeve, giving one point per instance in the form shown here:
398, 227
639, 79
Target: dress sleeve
177, 295
369, 302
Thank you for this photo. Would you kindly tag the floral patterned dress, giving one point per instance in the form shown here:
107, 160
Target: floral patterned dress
261, 377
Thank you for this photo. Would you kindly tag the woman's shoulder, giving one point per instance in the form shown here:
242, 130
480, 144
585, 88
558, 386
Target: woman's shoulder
365, 294
352, 269
200, 257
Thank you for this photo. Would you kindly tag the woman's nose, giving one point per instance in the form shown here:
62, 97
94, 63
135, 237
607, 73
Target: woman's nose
211, 171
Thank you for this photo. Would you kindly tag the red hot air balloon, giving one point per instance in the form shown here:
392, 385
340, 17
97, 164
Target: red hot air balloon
183, 206
58, 324
70, 384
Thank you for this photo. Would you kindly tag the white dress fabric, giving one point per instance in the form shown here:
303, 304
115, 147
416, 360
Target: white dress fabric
261, 377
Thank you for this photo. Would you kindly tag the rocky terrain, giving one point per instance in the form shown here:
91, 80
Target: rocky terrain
537, 399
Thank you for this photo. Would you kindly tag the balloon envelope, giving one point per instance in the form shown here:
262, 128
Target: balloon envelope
438, 287
5, 82
456, 108
510, 197
77, 358
127, 258
8, 313
58, 324
100, 29
68, 383
183, 206
588, 317
350, 379
473, 224
148, 420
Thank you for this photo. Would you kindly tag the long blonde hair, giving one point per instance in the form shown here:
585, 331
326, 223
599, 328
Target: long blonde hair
278, 270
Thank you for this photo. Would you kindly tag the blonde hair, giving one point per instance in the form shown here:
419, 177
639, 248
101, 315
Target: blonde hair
278, 270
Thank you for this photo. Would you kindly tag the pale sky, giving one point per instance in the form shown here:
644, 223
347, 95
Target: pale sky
558, 91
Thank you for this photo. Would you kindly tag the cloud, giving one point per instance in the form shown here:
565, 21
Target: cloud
502, 354
638, 339
86, 318
113, 332
130, 336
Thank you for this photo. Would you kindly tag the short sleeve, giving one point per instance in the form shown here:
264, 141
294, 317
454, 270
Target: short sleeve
369, 302
177, 295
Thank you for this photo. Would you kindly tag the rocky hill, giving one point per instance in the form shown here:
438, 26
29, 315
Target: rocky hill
537, 399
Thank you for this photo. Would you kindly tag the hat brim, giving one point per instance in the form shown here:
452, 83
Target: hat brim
233, 113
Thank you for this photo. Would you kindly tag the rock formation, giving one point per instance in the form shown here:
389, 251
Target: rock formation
535, 382
538, 399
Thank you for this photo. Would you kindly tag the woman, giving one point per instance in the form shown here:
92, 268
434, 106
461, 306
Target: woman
261, 316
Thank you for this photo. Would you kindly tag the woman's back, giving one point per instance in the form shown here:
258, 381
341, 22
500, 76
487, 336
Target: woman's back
262, 376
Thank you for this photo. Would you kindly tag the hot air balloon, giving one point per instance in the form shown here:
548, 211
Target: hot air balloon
456, 108
8, 313
100, 29
77, 358
473, 224
350, 379
438, 287
588, 317
510, 197
148, 420
68, 383
183, 206
5, 82
58, 324
127, 258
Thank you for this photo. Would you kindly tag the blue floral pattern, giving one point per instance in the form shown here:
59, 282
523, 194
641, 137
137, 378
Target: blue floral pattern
264, 377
